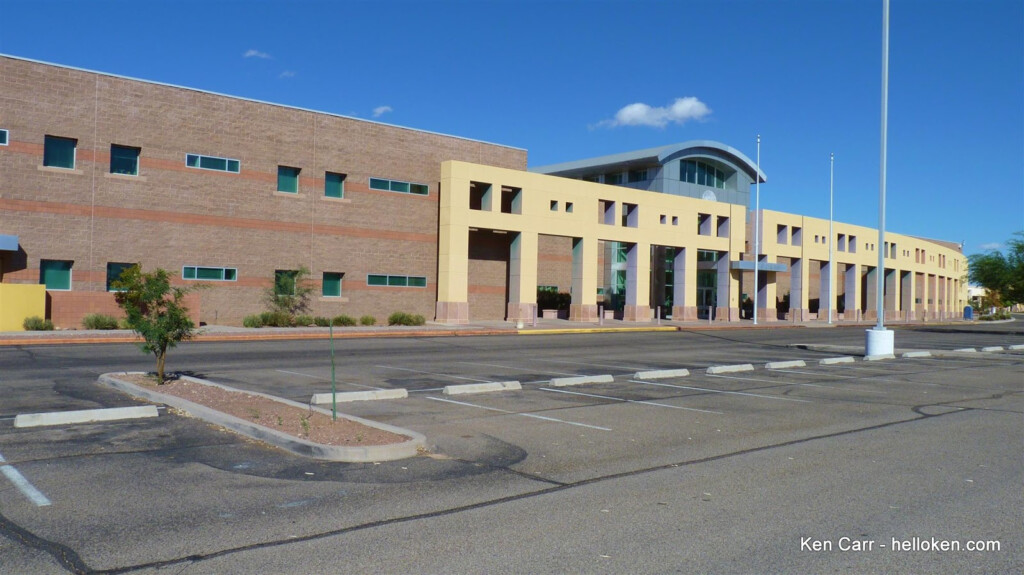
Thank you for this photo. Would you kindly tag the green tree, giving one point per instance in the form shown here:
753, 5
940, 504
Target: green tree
155, 311
1001, 274
290, 293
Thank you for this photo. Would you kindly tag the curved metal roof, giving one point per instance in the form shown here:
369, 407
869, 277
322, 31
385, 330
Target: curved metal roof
661, 155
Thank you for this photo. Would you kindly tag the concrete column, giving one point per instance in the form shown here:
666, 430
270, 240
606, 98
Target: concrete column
799, 276
766, 294
827, 299
907, 296
851, 293
584, 280
931, 304
871, 293
638, 283
892, 295
522, 277
684, 290
921, 287
452, 275
728, 308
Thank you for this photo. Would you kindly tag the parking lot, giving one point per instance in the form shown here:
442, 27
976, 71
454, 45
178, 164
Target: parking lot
719, 472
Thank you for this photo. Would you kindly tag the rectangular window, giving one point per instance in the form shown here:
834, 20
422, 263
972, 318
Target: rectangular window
114, 271
59, 152
568, 207
637, 176
55, 274
288, 179
332, 284
613, 179
395, 281
284, 282
3, 137
334, 185
209, 274
212, 163
554, 205
124, 160
398, 186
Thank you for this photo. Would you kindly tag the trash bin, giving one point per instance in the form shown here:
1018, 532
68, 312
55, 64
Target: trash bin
968, 312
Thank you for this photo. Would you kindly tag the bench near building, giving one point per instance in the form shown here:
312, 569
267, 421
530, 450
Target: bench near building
98, 172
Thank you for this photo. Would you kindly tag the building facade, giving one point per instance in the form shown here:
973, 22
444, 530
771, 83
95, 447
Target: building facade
98, 172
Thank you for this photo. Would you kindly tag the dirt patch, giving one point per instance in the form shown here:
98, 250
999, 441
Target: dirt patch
298, 422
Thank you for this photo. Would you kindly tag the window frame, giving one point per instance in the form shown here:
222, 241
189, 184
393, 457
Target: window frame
138, 154
411, 188
282, 172
111, 280
195, 274
323, 284
293, 275
74, 152
392, 280
6, 136
341, 184
227, 163
70, 271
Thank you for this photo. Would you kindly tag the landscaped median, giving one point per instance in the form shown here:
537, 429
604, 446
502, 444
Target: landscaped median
299, 428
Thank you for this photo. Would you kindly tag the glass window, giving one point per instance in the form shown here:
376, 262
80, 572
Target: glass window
398, 186
402, 187
209, 274
702, 174
396, 281
59, 152
3, 137
334, 185
613, 179
114, 271
637, 176
418, 189
212, 163
332, 284
124, 160
55, 274
376, 280
417, 281
284, 282
288, 179
379, 184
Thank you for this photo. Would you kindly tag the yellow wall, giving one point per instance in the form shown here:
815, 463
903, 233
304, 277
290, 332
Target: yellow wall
19, 301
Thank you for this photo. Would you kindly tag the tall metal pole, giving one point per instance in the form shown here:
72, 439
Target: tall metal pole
757, 224
831, 238
880, 272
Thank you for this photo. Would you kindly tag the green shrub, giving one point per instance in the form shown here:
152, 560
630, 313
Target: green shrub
303, 320
367, 320
123, 323
402, 318
36, 323
252, 321
344, 320
277, 319
322, 321
99, 321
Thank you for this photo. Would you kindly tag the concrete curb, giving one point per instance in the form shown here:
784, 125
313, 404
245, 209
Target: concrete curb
661, 374
785, 364
482, 387
912, 354
274, 437
561, 331
993, 348
879, 357
579, 380
84, 416
1015, 347
966, 350
349, 396
836, 360
717, 369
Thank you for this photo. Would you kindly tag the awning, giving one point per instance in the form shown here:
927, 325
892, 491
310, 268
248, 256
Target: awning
8, 243
748, 266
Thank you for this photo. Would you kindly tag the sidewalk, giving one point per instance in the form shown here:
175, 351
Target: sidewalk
495, 327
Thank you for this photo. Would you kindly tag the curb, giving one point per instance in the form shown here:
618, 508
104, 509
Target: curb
785, 364
717, 369
287, 442
835, 360
482, 387
349, 396
1015, 347
564, 381
84, 416
966, 350
879, 357
911, 354
661, 374
993, 348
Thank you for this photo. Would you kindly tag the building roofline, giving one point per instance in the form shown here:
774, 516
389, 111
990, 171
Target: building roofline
253, 100
660, 154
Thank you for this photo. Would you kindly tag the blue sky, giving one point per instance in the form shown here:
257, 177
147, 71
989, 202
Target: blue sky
563, 80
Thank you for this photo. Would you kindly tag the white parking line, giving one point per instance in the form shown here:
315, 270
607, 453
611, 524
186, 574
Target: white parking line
727, 392
434, 374
516, 368
23, 485
552, 419
630, 400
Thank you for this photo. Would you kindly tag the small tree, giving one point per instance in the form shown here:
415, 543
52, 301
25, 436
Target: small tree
1002, 274
290, 293
155, 311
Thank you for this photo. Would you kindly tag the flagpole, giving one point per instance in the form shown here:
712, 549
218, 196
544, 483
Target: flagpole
757, 226
831, 238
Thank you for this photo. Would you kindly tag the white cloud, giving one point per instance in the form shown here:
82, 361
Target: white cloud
253, 53
640, 114
380, 111
992, 246
286, 74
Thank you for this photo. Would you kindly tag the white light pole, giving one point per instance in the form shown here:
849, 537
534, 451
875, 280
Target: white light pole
831, 237
757, 223
880, 341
